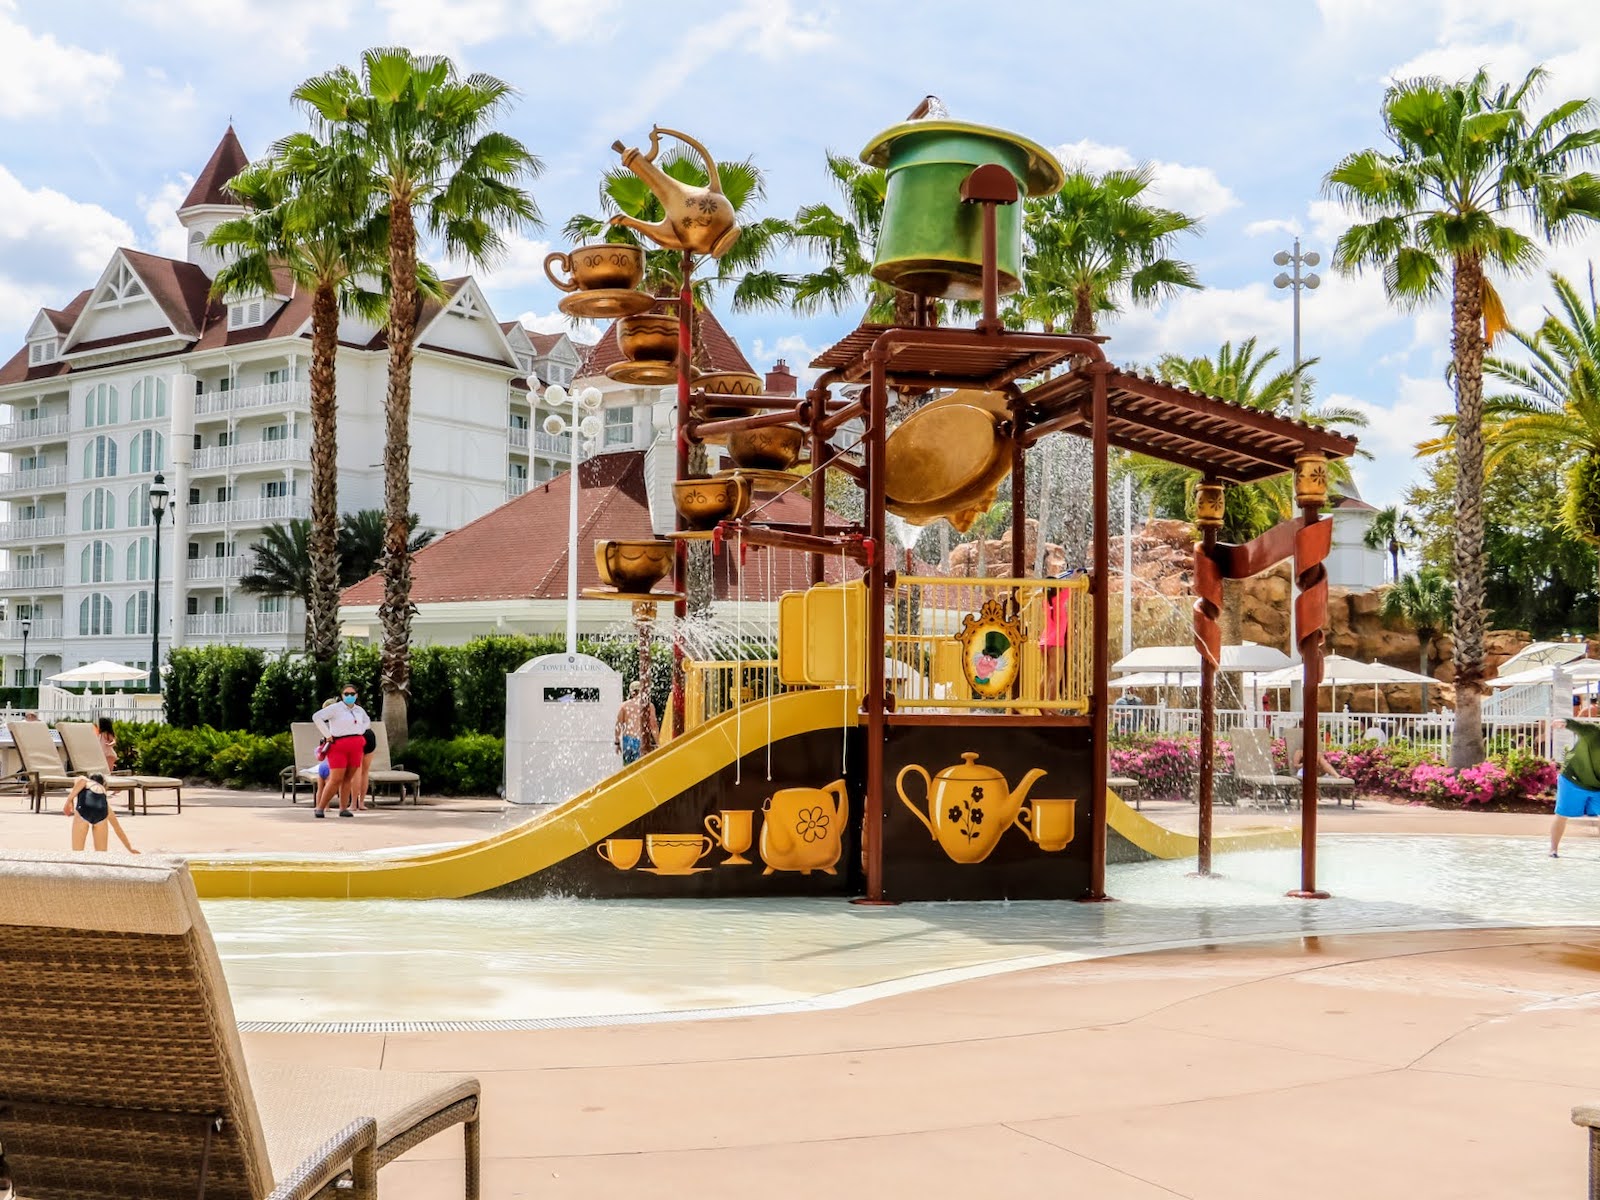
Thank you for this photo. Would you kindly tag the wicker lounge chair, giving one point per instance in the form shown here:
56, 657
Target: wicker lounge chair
42, 769
152, 1097
1253, 767
303, 774
383, 772
85, 754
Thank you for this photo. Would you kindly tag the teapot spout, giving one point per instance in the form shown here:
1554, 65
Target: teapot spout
660, 233
1020, 792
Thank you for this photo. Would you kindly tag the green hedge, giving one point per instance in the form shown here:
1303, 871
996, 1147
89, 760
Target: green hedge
473, 764
455, 690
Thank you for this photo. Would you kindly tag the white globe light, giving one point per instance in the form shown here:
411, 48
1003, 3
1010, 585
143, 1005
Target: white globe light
1281, 258
1311, 259
554, 425
590, 427
1313, 281
1282, 281
590, 398
555, 395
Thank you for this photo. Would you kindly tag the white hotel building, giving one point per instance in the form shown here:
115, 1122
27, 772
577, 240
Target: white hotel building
142, 372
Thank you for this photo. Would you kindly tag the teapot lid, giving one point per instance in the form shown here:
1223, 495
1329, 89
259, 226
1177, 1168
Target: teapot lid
969, 768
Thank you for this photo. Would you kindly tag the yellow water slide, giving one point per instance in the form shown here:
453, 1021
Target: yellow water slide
1146, 839
528, 848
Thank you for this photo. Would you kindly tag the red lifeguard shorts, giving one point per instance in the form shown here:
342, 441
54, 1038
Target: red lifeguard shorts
344, 753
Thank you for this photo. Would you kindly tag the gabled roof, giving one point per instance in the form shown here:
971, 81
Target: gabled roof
722, 353
542, 343
226, 161
181, 289
474, 562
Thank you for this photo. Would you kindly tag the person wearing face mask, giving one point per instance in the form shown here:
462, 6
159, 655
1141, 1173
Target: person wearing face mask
345, 724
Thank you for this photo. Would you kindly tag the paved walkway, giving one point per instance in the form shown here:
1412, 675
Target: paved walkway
1439, 1065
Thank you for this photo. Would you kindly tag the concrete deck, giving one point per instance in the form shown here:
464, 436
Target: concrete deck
1439, 1065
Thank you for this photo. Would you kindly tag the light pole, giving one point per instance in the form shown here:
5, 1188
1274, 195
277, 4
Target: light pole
27, 628
587, 428
1309, 281
158, 509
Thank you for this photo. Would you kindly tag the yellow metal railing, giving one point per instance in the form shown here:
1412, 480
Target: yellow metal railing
712, 688
1029, 649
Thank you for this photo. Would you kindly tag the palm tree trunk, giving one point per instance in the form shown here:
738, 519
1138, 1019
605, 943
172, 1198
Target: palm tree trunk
396, 610
1394, 561
322, 609
1423, 638
699, 584
1466, 312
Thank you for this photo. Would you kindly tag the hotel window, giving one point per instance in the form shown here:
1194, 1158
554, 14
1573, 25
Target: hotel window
272, 604
94, 564
99, 510
275, 433
194, 551
139, 507
94, 615
136, 616
619, 425
100, 405
100, 458
243, 314
147, 452
149, 398
138, 559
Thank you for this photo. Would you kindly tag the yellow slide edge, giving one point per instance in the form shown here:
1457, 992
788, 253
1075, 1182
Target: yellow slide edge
1161, 842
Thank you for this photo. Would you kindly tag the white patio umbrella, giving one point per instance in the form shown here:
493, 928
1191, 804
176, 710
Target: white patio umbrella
1337, 670
1145, 679
1586, 671
1247, 656
102, 672
1543, 654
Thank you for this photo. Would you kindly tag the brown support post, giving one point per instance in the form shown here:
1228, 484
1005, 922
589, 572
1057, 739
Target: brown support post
1100, 713
1311, 610
821, 452
1019, 484
680, 555
1209, 504
873, 700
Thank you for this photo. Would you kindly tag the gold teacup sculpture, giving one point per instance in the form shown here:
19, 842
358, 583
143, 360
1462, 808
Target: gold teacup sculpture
597, 266
702, 502
1049, 823
770, 448
733, 830
621, 853
633, 566
648, 337
676, 853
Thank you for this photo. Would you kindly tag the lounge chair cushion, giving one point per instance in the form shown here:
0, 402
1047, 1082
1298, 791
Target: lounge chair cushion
1270, 780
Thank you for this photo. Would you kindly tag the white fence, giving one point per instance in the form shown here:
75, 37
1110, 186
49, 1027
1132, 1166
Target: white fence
1430, 731
58, 704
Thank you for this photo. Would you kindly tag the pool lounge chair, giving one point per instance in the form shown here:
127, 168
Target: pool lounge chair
1254, 769
384, 773
154, 1098
85, 754
1588, 1116
303, 774
42, 768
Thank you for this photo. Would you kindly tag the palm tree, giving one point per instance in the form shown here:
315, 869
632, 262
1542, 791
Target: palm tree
1392, 530
846, 239
361, 537
309, 218
1554, 401
1241, 376
432, 157
283, 565
1425, 601
1471, 167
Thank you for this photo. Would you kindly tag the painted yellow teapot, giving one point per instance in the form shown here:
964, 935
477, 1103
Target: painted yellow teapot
968, 806
698, 219
803, 829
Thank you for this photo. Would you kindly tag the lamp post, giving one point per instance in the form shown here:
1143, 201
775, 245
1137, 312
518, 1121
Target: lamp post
159, 495
587, 428
1309, 281
27, 628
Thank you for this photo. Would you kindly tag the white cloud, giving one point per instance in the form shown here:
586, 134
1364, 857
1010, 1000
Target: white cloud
1392, 434
794, 350
520, 266
1272, 225
38, 74
559, 322
164, 233
446, 26
287, 26
51, 247
1193, 190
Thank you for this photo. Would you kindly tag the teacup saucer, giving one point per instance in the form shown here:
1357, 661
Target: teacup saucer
660, 871
606, 303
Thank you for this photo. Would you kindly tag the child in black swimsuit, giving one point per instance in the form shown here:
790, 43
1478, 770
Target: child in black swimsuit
89, 806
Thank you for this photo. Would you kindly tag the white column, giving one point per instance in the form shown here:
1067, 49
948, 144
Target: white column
182, 456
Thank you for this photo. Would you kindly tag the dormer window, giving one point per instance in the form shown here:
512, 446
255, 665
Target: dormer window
246, 314
525, 361
122, 288
44, 351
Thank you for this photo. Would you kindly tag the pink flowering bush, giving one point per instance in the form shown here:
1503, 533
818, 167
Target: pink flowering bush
1166, 765
1513, 777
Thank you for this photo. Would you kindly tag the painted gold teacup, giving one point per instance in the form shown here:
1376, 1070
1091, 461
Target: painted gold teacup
676, 853
733, 829
1050, 823
621, 853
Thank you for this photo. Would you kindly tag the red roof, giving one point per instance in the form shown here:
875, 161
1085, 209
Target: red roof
543, 343
519, 550
721, 351
181, 289
226, 161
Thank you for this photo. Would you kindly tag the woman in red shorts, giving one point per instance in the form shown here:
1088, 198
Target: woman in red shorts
344, 723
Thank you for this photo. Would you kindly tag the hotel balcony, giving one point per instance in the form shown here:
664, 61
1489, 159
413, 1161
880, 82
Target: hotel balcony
515, 488
40, 479
519, 437
38, 529
37, 430
263, 511
250, 454
218, 570
31, 579
245, 624
252, 399
552, 447
42, 629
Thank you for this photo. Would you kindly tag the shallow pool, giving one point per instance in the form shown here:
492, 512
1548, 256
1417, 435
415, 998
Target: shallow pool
505, 963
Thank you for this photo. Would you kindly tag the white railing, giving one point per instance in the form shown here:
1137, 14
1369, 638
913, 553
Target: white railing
34, 480
556, 447
519, 437
33, 430
235, 624
28, 578
232, 567
41, 628
58, 704
1426, 731
263, 395
515, 488
248, 512
246, 454
1524, 700
36, 529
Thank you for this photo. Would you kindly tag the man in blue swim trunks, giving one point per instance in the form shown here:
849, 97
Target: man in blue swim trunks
1578, 785
636, 730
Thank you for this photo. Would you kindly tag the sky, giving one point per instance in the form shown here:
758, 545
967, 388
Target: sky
107, 112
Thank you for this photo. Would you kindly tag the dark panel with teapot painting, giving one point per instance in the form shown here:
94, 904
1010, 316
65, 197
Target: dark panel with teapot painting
733, 834
975, 813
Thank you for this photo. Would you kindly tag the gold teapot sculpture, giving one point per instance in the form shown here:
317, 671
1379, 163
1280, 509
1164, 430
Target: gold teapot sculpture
698, 219
803, 829
969, 806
